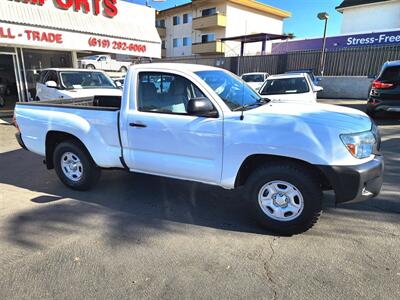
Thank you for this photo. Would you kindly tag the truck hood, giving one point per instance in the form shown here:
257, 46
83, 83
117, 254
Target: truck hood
349, 120
78, 93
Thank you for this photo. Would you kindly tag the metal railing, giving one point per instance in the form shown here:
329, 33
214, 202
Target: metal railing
360, 61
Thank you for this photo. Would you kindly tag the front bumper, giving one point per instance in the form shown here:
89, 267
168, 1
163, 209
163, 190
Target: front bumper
356, 183
20, 141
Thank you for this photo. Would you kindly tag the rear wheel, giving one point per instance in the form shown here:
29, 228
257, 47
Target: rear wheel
123, 69
74, 166
90, 67
285, 199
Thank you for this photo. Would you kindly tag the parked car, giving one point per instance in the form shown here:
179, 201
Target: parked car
74, 83
209, 126
103, 62
315, 80
255, 80
384, 95
296, 87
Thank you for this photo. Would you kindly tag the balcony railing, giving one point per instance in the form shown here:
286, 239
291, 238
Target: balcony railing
213, 21
162, 32
214, 47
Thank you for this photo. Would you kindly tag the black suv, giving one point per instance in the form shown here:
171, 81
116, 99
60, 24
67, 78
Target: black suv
385, 90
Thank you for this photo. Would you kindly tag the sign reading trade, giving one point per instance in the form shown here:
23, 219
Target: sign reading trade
107, 7
342, 41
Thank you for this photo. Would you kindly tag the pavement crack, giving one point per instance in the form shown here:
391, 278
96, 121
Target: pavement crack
268, 271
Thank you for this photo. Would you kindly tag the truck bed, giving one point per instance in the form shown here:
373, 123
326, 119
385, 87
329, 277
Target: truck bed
112, 103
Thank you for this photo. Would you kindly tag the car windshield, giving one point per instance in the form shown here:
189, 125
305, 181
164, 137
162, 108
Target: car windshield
94, 57
285, 86
231, 89
253, 78
86, 80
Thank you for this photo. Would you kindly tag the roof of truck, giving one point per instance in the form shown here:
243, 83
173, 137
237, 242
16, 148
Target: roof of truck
175, 66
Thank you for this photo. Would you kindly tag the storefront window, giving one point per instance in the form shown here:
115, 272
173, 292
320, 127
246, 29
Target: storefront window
37, 60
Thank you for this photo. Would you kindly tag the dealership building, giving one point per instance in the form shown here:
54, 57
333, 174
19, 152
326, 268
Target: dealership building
38, 34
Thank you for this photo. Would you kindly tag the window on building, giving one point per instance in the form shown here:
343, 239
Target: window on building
175, 43
176, 20
208, 12
206, 38
163, 44
160, 23
187, 41
187, 18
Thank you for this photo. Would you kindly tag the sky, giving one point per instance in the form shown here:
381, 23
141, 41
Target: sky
303, 23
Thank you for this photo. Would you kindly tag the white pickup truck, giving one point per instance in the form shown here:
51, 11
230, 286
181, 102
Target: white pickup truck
103, 62
204, 124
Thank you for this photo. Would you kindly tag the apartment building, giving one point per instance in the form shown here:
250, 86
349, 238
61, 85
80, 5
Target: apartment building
196, 28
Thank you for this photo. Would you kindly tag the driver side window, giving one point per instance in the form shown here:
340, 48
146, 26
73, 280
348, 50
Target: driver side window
165, 93
52, 76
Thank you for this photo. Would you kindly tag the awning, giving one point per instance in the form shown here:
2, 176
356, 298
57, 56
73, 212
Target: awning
134, 24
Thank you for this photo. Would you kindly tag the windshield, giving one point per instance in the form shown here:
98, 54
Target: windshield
253, 78
86, 80
230, 88
94, 57
285, 86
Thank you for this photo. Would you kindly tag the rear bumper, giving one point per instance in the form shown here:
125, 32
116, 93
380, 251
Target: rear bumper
374, 104
356, 183
20, 141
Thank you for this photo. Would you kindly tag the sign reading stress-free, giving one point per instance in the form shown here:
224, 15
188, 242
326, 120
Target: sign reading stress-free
107, 7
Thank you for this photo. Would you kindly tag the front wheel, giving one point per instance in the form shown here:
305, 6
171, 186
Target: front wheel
285, 199
74, 166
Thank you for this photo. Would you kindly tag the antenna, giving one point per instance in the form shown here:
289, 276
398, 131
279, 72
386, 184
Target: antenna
242, 110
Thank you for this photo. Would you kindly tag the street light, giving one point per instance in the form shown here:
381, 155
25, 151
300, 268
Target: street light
323, 16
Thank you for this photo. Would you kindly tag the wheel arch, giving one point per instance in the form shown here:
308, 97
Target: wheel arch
254, 161
53, 138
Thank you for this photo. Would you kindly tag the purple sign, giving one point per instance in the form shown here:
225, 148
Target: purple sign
338, 42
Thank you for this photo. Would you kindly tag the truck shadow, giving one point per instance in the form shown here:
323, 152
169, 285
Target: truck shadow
134, 203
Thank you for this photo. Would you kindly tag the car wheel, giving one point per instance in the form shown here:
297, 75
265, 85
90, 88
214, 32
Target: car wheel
123, 69
285, 199
74, 166
90, 67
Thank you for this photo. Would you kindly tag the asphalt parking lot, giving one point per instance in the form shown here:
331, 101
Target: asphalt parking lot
138, 236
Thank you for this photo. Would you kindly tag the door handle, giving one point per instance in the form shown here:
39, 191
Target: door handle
140, 125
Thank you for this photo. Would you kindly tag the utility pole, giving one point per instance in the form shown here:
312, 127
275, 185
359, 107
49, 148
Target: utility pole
323, 16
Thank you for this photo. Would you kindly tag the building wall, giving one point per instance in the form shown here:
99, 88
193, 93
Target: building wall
242, 21
177, 32
239, 21
379, 16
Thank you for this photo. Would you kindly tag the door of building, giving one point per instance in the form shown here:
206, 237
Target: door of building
10, 85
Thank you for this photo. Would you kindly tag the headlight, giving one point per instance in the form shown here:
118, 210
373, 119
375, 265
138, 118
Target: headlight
360, 145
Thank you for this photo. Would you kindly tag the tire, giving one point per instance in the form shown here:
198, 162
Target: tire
123, 69
74, 166
91, 67
278, 210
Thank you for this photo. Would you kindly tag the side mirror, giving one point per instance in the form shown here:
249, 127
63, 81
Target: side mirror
51, 84
201, 107
318, 88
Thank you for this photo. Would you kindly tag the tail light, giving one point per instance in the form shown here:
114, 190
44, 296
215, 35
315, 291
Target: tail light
14, 122
376, 84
